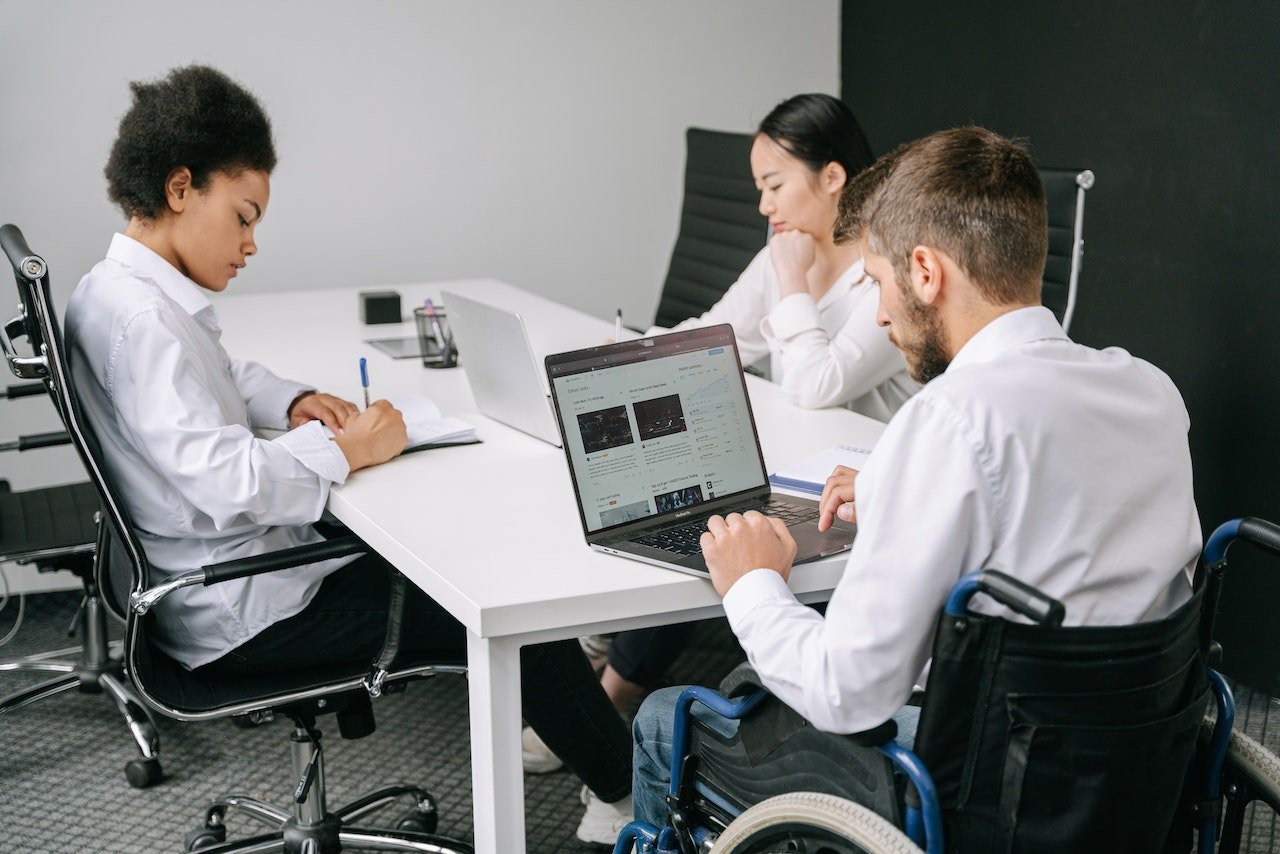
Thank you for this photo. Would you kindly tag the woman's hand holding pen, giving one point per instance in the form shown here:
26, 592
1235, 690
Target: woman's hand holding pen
373, 436
333, 412
793, 256
837, 498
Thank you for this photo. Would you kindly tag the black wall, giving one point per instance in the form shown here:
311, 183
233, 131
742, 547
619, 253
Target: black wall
1176, 107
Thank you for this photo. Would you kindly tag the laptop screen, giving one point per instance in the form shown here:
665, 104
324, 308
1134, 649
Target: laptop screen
655, 426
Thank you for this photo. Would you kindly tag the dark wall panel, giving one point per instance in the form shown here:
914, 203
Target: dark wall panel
1176, 107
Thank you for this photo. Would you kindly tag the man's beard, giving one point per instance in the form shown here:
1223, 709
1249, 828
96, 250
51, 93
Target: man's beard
926, 353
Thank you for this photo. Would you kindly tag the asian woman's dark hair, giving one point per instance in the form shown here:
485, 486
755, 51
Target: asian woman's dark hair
195, 117
819, 129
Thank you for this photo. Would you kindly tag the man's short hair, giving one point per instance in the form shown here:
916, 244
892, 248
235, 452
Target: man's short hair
856, 192
974, 195
195, 117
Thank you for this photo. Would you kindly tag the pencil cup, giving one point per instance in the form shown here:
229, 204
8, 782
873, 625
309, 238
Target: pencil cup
434, 355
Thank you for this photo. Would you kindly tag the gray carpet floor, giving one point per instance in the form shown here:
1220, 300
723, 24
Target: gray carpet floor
62, 785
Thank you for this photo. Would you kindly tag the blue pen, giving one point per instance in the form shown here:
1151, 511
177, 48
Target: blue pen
364, 380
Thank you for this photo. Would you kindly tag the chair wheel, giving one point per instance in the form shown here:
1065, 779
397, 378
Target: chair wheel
205, 837
420, 820
142, 773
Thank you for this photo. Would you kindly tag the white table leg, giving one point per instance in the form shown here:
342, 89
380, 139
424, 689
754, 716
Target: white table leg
493, 681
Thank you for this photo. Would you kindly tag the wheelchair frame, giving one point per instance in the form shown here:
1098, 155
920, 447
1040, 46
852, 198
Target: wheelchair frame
685, 834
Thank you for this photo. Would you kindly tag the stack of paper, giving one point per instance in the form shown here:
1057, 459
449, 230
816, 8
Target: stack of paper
810, 475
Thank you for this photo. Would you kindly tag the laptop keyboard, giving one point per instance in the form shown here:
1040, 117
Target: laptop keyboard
684, 540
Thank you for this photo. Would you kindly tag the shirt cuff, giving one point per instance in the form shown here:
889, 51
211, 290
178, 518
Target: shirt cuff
791, 316
271, 409
752, 589
310, 445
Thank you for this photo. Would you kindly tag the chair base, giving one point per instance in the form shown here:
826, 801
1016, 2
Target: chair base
328, 836
312, 829
96, 669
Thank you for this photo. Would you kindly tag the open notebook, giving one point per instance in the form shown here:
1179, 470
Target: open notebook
426, 425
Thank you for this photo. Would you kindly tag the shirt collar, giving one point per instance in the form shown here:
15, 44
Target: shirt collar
1009, 330
150, 266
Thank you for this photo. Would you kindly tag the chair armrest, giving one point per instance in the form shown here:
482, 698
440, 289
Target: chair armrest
37, 440
215, 573
24, 390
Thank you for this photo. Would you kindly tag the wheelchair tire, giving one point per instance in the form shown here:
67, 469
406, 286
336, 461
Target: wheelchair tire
812, 823
1250, 775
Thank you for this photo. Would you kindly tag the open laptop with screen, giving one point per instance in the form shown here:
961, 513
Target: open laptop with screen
659, 436
499, 364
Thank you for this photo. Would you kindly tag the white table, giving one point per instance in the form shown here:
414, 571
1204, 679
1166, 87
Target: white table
491, 531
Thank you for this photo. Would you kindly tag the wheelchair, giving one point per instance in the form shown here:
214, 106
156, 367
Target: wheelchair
1099, 736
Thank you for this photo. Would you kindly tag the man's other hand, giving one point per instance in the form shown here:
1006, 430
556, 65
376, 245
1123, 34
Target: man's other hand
837, 498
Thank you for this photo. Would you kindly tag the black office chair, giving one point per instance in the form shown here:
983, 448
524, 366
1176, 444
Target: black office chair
721, 228
343, 689
1064, 191
55, 528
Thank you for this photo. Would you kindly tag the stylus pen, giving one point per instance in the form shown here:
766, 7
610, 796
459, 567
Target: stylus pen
617, 326
364, 380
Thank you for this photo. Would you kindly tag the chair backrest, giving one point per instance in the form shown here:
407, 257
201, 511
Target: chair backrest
1064, 191
721, 228
39, 323
1051, 738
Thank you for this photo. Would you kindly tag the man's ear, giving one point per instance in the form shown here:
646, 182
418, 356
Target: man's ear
927, 274
178, 189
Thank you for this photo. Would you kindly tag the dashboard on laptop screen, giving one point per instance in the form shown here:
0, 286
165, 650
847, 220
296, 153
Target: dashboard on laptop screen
666, 429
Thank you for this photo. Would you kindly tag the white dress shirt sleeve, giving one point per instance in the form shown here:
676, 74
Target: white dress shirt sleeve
163, 404
925, 518
265, 394
819, 369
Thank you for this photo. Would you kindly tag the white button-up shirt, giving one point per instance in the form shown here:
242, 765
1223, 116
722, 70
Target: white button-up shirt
173, 413
1063, 466
824, 353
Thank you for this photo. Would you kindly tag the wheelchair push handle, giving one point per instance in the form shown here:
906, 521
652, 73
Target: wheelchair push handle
1260, 532
1008, 591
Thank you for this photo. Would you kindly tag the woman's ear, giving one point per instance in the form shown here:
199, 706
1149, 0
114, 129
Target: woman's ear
834, 178
178, 189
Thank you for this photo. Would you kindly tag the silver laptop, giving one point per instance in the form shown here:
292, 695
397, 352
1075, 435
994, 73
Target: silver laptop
659, 436
495, 355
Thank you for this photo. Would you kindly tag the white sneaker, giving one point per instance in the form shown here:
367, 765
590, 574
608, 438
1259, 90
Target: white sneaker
535, 755
602, 822
596, 648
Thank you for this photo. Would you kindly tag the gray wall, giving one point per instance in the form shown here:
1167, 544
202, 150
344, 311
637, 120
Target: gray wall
539, 143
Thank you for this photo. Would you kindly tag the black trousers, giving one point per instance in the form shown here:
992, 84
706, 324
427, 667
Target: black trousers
346, 621
643, 655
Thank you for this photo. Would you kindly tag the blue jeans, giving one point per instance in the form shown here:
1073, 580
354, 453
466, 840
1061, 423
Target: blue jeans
653, 731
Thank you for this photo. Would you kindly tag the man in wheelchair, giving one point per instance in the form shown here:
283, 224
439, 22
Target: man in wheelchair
1064, 467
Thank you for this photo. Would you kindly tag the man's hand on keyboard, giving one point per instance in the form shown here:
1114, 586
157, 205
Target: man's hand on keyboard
737, 544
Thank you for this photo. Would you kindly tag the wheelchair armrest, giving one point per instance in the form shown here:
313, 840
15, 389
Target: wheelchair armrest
215, 573
37, 440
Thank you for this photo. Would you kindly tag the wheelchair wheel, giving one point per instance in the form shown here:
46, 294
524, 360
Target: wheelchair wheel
1250, 777
812, 823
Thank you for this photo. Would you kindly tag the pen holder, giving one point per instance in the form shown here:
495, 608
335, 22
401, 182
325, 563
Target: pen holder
435, 353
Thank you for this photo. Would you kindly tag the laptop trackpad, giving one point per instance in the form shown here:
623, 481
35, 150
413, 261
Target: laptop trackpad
812, 544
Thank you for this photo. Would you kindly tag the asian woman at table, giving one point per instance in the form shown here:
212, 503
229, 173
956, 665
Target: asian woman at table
806, 302
174, 413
